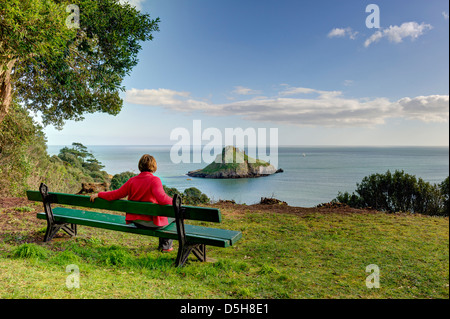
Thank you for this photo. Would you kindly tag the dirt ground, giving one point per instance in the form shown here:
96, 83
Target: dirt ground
13, 202
282, 208
18, 222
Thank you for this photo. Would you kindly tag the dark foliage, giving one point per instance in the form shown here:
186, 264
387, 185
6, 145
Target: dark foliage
399, 192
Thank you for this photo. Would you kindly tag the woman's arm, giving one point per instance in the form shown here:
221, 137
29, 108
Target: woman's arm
159, 193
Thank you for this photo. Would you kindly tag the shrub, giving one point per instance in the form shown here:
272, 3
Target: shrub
193, 196
25, 163
22, 148
119, 179
352, 200
79, 157
445, 193
171, 191
190, 196
398, 192
192, 192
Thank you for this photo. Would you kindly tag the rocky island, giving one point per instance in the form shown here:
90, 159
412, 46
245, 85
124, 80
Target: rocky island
234, 163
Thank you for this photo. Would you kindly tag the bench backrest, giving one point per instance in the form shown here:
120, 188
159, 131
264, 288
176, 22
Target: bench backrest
142, 208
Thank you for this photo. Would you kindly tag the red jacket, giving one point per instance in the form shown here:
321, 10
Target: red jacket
142, 188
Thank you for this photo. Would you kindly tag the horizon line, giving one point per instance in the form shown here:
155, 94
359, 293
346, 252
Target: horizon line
267, 146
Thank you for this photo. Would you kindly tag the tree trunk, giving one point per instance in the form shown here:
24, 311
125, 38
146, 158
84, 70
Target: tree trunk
5, 88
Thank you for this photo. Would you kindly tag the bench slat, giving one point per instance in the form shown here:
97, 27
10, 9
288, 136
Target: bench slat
194, 234
132, 207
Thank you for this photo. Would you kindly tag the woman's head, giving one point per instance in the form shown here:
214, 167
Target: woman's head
147, 163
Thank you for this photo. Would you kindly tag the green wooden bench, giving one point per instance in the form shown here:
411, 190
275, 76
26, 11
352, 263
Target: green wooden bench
191, 238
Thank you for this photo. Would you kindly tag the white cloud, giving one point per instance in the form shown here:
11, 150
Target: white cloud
240, 90
325, 108
445, 15
432, 108
174, 100
396, 34
297, 90
320, 112
342, 32
134, 3
302, 90
373, 38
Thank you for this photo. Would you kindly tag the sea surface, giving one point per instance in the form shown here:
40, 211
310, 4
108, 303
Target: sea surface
312, 175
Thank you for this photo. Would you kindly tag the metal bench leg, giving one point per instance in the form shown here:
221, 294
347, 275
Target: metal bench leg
52, 229
70, 229
199, 250
185, 248
52, 226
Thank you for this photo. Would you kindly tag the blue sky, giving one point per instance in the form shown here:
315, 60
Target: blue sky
311, 69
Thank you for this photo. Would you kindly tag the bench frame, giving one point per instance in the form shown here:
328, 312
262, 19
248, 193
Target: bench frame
53, 226
184, 248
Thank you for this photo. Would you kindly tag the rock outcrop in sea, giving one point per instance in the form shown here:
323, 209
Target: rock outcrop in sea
234, 163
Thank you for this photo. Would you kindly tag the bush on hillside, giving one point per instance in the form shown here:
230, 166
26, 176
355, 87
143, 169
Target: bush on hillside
190, 196
171, 191
80, 158
119, 179
25, 163
398, 192
193, 196
445, 192
22, 144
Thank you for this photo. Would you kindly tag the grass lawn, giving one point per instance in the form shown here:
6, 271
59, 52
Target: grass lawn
312, 254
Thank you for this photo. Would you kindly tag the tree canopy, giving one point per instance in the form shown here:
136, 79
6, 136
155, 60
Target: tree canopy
65, 72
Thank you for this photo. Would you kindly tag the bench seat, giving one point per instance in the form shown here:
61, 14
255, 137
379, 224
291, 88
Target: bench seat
194, 234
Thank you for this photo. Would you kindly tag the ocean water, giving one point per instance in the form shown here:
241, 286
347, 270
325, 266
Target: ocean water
312, 175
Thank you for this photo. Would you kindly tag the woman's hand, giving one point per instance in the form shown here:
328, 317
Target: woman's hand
93, 197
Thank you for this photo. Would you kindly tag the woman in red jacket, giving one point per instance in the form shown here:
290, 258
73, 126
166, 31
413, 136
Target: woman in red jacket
144, 187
